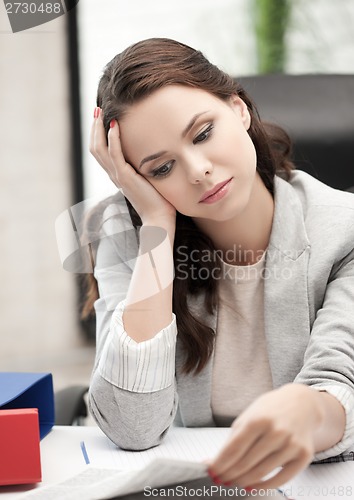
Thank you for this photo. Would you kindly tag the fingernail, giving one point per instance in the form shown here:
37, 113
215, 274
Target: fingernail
112, 123
211, 473
248, 489
95, 113
213, 477
228, 483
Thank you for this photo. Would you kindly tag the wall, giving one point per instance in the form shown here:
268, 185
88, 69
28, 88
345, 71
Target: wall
38, 326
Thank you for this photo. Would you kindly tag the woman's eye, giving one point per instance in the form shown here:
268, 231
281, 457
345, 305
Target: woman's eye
203, 136
163, 170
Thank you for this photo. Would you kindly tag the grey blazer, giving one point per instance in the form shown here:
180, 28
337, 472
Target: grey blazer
309, 320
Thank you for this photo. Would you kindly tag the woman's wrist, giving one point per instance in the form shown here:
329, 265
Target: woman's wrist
165, 221
326, 413
309, 400
166, 224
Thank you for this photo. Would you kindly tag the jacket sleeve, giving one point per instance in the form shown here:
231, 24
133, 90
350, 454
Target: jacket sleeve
132, 392
329, 357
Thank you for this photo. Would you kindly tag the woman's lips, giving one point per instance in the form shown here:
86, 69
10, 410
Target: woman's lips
215, 194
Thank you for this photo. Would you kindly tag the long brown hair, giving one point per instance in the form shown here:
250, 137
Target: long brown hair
133, 75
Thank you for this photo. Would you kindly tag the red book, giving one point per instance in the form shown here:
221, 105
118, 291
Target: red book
20, 461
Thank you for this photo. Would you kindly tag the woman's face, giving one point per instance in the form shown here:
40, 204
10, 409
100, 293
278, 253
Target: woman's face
186, 142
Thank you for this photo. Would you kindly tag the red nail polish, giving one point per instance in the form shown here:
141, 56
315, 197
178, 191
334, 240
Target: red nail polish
228, 483
248, 489
111, 123
212, 475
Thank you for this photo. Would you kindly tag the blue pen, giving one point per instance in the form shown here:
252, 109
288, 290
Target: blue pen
84, 452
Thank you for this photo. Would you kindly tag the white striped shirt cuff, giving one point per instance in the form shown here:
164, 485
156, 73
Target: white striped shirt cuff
147, 366
346, 398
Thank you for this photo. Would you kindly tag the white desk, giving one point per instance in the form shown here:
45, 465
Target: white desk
62, 457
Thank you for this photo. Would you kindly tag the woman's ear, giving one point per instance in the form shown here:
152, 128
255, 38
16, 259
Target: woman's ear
240, 107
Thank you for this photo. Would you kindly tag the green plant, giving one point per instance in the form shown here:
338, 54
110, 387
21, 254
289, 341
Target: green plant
271, 19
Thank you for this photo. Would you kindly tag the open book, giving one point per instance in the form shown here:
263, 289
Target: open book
162, 477
112, 472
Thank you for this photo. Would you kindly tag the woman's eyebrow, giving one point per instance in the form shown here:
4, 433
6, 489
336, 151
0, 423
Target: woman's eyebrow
192, 122
151, 157
184, 133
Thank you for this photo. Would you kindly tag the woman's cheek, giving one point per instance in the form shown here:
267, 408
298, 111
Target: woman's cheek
174, 196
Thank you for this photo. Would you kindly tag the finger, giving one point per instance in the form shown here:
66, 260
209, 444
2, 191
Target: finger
100, 146
262, 469
98, 142
96, 116
284, 475
92, 138
122, 168
99, 149
238, 446
266, 446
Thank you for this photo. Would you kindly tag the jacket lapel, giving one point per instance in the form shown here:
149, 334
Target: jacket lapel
286, 305
194, 391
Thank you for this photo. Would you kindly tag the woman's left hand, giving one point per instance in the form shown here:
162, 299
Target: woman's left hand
276, 430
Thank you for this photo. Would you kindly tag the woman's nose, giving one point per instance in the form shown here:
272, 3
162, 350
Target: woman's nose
198, 168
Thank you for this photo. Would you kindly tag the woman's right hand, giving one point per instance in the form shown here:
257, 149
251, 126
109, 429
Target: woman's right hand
151, 206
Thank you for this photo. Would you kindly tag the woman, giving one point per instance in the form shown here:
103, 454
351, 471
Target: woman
250, 262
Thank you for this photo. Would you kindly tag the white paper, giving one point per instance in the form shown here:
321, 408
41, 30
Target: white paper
195, 445
98, 484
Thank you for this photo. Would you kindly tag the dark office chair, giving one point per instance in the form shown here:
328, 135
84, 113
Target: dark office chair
318, 113
70, 405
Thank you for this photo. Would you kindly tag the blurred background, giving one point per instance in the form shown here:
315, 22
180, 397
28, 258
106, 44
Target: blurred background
49, 76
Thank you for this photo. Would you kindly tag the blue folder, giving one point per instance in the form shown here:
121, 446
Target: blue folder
29, 390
